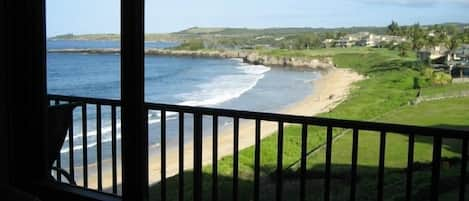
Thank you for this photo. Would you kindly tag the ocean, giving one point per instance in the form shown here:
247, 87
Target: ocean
192, 81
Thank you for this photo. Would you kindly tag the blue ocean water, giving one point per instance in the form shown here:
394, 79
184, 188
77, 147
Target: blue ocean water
209, 82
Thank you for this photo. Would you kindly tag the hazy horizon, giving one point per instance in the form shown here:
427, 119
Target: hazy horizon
261, 28
90, 17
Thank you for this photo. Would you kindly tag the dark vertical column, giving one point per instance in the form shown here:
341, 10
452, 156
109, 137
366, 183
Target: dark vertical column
71, 158
163, 155
25, 90
462, 182
279, 170
410, 167
114, 148
382, 155
215, 158
353, 172
235, 158
3, 106
99, 148
197, 184
134, 125
436, 165
257, 159
181, 158
304, 144
327, 175
84, 129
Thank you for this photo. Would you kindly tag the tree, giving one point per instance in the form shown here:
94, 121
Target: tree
340, 34
454, 43
417, 36
393, 28
451, 29
404, 48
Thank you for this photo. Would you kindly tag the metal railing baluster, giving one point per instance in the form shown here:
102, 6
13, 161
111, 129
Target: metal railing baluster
197, 185
215, 158
99, 147
410, 167
382, 155
257, 159
181, 158
59, 156
304, 143
436, 164
71, 158
279, 183
114, 148
235, 157
462, 182
353, 173
84, 130
327, 175
163, 155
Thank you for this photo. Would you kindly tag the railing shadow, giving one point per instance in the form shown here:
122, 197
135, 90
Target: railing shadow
394, 188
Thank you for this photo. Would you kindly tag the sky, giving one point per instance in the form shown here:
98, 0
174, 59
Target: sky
163, 16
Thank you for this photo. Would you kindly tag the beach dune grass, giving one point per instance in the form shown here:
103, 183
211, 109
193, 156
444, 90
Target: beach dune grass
384, 96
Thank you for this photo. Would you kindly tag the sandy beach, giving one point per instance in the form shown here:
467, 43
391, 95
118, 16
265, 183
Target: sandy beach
329, 91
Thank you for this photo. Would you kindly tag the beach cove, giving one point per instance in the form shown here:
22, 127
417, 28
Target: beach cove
322, 94
330, 90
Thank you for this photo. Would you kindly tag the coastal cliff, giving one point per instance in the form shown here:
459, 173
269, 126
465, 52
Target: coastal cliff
248, 56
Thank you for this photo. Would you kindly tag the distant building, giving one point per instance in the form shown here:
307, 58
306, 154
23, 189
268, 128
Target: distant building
345, 42
363, 39
434, 53
370, 40
459, 64
455, 63
462, 53
328, 43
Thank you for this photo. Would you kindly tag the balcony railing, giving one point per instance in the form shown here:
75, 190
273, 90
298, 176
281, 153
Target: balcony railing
199, 114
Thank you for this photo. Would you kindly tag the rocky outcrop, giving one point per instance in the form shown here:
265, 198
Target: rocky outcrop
316, 63
250, 57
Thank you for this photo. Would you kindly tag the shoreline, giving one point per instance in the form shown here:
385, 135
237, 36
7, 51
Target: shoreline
329, 91
248, 56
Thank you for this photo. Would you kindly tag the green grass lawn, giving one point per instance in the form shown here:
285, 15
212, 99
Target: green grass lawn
384, 96
441, 90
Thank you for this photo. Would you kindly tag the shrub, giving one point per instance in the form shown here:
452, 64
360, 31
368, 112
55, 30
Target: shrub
421, 82
195, 44
441, 78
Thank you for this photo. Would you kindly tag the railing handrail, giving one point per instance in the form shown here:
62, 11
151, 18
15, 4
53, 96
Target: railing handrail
286, 118
88, 100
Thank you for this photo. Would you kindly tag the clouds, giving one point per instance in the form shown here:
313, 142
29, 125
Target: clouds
418, 3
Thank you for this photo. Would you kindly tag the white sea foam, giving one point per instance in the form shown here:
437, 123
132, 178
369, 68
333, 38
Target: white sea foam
225, 87
220, 89
107, 135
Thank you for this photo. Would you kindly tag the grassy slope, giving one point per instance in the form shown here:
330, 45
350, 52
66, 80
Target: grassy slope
452, 89
382, 97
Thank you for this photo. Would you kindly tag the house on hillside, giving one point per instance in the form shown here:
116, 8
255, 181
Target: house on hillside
462, 53
455, 63
350, 40
345, 42
363, 39
434, 54
370, 40
459, 64
393, 40
327, 43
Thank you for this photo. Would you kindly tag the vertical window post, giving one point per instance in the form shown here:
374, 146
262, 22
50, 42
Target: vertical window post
134, 125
